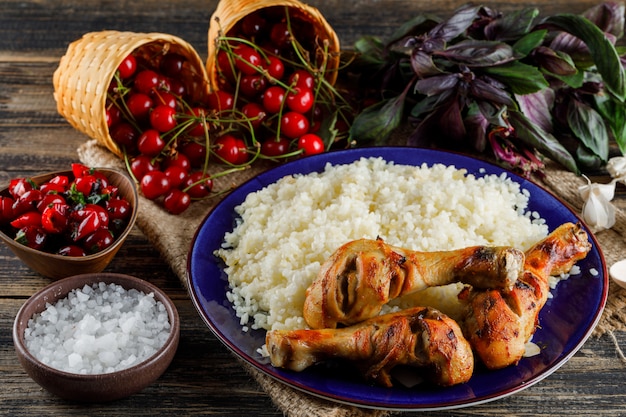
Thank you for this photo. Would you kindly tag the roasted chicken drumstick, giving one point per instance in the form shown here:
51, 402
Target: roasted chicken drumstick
363, 275
418, 337
498, 322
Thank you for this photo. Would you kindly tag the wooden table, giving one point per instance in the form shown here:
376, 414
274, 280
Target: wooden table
204, 378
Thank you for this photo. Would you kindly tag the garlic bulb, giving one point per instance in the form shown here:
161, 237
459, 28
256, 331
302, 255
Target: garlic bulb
598, 212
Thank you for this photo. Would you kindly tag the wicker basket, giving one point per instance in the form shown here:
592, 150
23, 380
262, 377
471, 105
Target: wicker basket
229, 12
86, 70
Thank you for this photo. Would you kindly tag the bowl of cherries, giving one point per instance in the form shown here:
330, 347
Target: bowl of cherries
68, 222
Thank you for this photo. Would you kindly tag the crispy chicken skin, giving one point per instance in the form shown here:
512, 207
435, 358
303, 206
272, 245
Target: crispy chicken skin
499, 322
363, 275
419, 337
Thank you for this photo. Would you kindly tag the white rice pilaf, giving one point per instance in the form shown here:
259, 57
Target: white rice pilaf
289, 228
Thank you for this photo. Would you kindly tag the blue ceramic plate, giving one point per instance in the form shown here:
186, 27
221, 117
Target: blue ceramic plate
563, 329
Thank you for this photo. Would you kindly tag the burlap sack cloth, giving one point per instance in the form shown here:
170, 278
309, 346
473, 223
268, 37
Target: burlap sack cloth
172, 235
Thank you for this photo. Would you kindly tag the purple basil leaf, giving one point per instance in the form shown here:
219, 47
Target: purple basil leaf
451, 122
511, 26
532, 135
426, 104
555, 62
437, 84
588, 126
476, 125
537, 106
478, 53
422, 64
457, 24
609, 17
482, 90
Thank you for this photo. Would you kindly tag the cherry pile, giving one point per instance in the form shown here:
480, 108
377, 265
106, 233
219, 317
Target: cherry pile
273, 102
271, 68
67, 216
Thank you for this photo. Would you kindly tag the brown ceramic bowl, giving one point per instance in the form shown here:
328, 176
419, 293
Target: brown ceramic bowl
97, 387
57, 266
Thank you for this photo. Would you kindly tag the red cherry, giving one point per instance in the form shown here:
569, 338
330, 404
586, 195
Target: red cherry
172, 64
176, 201
252, 85
247, 60
302, 78
150, 143
273, 98
275, 67
231, 149
221, 100
141, 165
166, 98
198, 185
139, 105
253, 24
146, 81
163, 118
71, 250
195, 152
118, 209
154, 184
273, 147
113, 115
280, 36
197, 128
127, 67
294, 125
176, 175
311, 144
254, 114
178, 159
300, 100
226, 67
125, 135
98, 240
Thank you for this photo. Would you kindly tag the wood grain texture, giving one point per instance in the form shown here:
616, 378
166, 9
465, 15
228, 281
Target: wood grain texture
204, 378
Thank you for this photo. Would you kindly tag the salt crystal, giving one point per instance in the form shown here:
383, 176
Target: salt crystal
98, 329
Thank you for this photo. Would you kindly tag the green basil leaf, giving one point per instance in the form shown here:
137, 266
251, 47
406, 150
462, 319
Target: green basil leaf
589, 127
377, 122
602, 50
370, 50
527, 43
541, 140
614, 113
521, 78
587, 159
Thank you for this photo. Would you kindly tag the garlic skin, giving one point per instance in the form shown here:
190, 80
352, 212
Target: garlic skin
598, 212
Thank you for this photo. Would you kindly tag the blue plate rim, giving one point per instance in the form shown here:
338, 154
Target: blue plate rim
289, 168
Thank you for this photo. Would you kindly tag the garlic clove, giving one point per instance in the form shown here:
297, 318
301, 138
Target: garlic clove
616, 166
598, 212
606, 190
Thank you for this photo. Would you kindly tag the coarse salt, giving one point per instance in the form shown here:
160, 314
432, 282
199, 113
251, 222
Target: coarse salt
98, 329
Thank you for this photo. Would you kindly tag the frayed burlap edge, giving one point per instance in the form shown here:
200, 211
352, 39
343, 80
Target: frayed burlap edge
172, 235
